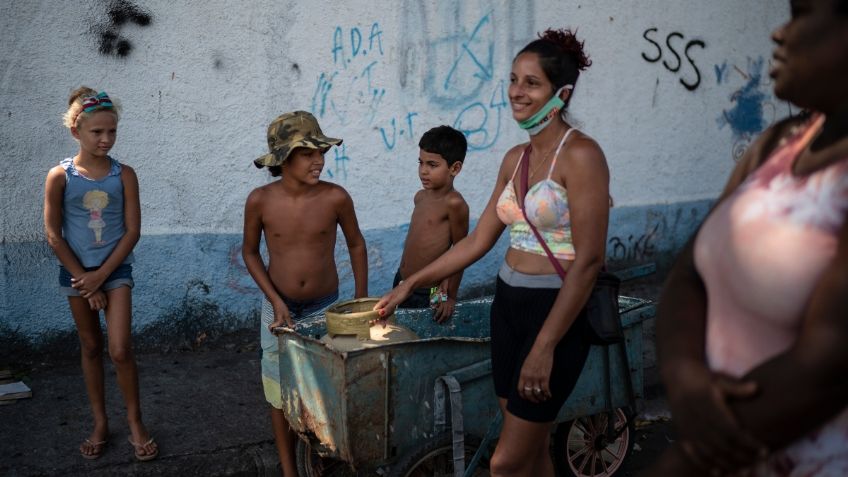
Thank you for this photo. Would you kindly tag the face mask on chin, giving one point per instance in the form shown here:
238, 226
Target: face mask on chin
539, 121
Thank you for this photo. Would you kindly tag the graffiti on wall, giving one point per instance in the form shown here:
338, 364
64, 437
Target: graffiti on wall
460, 77
634, 248
753, 107
669, 57
446, 58
352, 80
120, 13
650, 238
354, 88
480, 121
238, 278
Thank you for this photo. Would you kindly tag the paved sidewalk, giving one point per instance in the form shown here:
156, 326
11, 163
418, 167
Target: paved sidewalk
205, 409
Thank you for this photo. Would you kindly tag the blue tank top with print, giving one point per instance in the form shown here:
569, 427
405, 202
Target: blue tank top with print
93, 214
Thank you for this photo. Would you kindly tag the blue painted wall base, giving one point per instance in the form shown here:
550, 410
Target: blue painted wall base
191, 285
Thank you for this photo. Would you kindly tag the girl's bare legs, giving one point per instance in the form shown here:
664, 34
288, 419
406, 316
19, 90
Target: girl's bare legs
523, 448
118, 327
91, 347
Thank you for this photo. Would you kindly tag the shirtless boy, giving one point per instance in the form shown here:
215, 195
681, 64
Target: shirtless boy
439, 219
299, 215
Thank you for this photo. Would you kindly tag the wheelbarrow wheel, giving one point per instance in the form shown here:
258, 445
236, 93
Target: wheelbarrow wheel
435, 458
582, 447
311, 464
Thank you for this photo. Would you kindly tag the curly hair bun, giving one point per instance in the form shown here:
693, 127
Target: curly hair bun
567, 40
75, 112
82, 91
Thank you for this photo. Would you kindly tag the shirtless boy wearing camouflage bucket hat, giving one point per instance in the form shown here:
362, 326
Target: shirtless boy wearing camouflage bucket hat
290, 131
299, 215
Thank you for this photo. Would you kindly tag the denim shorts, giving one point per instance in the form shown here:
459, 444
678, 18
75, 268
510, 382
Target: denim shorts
122, 276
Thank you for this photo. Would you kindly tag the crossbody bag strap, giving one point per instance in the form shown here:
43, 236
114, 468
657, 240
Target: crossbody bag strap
525, 166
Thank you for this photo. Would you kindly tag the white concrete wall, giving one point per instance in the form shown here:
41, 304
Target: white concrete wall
202, 80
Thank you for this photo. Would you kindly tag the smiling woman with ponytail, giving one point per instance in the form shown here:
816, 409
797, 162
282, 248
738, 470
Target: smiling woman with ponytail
558, 184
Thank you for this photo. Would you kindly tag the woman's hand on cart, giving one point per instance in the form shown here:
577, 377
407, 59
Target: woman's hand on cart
387, 304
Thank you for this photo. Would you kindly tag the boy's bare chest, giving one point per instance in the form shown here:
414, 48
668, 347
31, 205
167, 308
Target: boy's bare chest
305, 219
430, 213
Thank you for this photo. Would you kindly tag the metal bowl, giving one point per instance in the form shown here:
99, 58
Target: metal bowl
353, 317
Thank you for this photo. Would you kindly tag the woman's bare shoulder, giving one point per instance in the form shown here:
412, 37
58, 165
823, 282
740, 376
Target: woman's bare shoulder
582, 153
510, 159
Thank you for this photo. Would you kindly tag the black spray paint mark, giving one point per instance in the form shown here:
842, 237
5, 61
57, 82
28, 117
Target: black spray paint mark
675, 66
120, 12
656, 45
692, 86
654, 99
634, 249
217, 60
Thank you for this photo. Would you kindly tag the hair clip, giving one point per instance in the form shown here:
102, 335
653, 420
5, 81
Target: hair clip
100, 100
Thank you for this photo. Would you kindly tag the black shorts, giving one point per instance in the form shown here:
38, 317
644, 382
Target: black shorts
517, 315
420, 297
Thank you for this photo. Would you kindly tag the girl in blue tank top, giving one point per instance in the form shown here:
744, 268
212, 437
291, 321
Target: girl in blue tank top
92, 220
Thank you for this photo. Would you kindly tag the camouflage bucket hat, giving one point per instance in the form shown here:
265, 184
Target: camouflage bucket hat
292, 130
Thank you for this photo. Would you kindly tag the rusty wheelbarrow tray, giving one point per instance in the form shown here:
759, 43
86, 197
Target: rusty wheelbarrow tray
369, 407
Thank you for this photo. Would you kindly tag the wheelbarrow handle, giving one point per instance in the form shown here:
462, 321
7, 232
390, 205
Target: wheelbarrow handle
282, 329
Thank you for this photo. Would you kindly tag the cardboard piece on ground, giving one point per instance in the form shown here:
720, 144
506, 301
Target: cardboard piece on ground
15, 390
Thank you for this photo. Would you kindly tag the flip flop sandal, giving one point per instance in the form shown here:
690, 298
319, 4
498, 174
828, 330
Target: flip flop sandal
139, 448
96, 447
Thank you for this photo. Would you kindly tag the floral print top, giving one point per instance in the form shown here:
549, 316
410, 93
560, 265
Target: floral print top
761, 253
